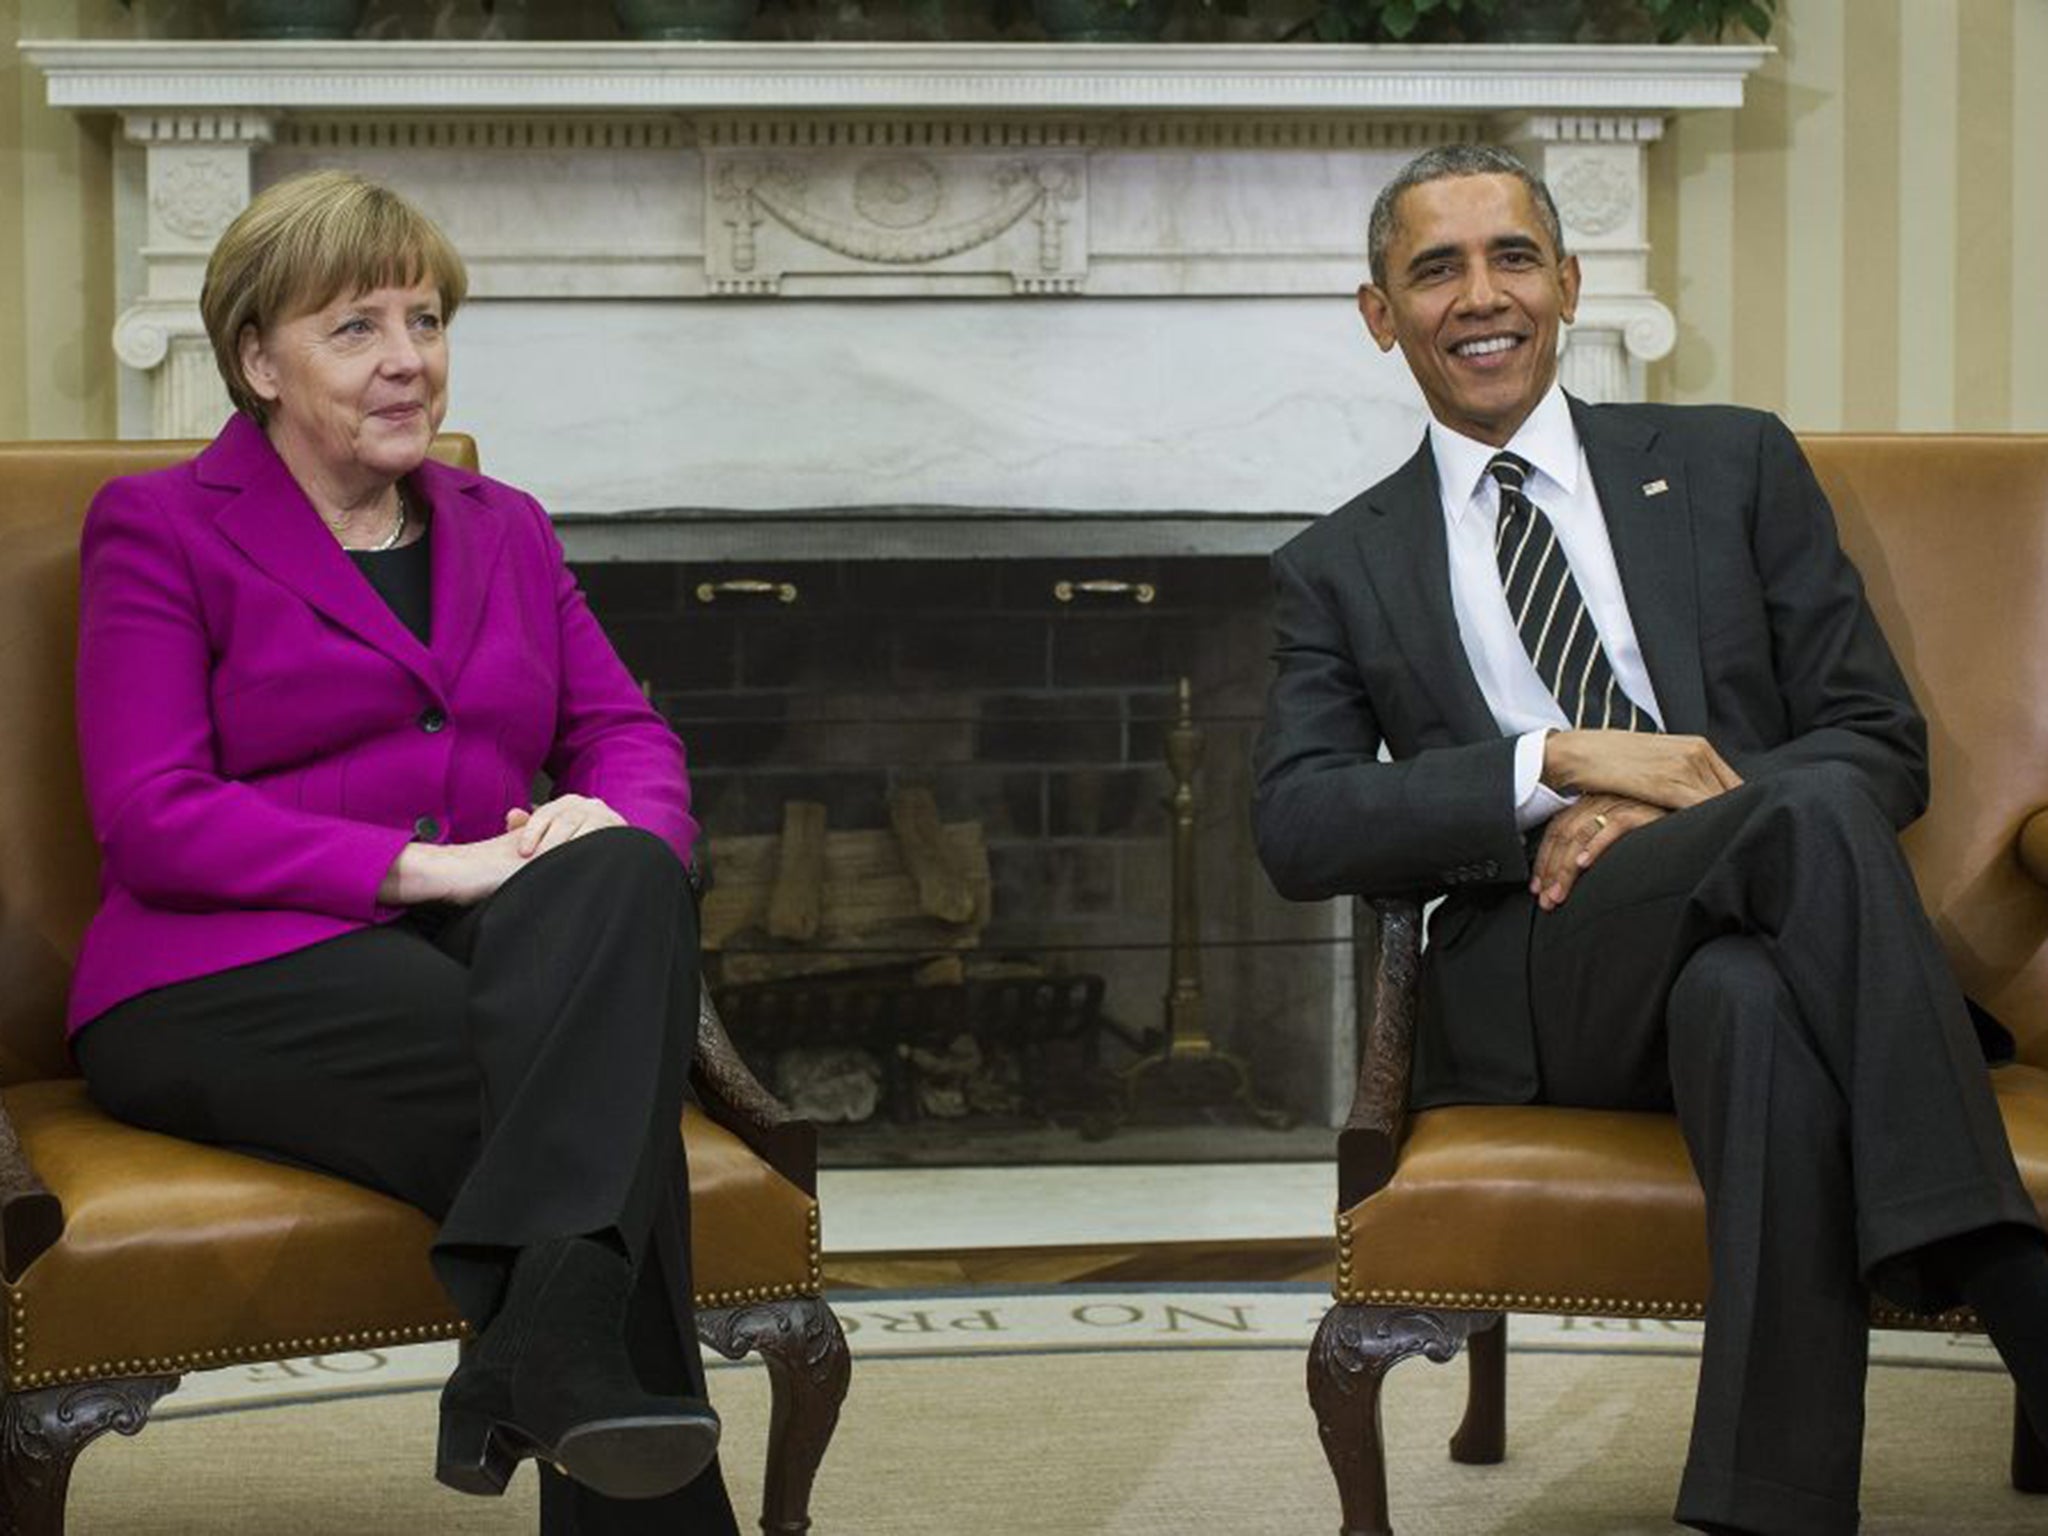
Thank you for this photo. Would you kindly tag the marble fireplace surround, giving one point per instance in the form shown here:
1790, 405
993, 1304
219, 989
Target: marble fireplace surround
840, 299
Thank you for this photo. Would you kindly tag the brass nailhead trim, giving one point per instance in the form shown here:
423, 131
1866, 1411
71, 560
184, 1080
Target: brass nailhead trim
811, 1285
21, 1378
718, 1301
1959, 1321
1516, 1301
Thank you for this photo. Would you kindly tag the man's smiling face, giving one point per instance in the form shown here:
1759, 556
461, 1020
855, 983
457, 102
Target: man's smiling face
1474, 297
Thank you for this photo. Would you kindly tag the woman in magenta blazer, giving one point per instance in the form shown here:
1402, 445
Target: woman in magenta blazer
318, 677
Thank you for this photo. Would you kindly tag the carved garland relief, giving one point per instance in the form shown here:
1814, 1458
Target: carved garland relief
839, 217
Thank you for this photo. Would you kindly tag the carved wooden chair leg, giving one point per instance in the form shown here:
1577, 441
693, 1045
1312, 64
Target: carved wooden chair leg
808, 1370
1481, 1438
2029, 1453
41, 1434
1354, 1349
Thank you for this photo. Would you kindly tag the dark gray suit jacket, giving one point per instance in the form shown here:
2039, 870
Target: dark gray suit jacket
1753, 627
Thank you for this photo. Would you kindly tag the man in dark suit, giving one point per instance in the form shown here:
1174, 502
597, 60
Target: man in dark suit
1642, 731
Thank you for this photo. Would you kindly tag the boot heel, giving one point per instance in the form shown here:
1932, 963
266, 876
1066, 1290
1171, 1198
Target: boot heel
474, 1455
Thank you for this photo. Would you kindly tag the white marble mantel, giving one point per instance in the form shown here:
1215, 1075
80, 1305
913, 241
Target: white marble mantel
830, 77
1098, 279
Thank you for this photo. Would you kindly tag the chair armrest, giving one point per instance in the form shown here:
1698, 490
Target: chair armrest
1388, 935
2033, 845
31, 1218
734, 1097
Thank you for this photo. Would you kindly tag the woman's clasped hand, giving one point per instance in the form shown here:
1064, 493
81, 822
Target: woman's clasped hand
462, 874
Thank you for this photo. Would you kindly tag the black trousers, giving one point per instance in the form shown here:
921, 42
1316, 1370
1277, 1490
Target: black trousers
515, 1069
1762, 964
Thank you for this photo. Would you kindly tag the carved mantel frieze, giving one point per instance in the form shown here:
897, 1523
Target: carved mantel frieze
665, 173
970, 208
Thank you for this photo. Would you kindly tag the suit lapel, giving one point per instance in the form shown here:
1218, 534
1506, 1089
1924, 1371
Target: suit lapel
1643, 496
1407, 560
270, 520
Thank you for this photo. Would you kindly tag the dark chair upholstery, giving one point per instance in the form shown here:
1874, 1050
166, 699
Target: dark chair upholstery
129, 1258
1451, 1218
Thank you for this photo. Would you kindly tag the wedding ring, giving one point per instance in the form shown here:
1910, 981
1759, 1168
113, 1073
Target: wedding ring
1599, 822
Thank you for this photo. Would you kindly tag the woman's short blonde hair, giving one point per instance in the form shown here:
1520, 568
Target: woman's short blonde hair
303, 243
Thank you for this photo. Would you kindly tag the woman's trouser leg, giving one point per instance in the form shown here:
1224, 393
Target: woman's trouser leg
584, 1011
350, 1057
582, 1015
396, 1061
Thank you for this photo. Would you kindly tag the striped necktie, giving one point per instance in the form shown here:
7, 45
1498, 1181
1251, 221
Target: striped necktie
1550, 613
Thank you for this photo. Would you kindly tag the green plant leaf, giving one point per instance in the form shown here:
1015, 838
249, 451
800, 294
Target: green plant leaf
1677, 20
1419, 21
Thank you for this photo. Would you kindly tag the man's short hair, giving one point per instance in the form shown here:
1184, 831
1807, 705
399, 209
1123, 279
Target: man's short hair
1448, 160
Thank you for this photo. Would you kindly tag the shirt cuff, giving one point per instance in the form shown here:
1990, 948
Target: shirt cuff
1535, 801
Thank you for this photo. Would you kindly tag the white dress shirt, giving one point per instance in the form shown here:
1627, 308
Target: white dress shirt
1562, 485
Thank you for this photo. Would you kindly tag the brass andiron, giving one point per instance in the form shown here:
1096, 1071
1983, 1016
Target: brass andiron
1190, 1070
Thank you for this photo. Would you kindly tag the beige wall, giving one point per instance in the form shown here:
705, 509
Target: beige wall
1857, 248
57, 367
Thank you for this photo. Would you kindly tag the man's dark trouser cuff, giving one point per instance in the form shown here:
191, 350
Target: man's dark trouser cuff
1709, 1497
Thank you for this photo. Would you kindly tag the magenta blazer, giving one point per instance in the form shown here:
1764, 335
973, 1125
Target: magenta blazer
260, 735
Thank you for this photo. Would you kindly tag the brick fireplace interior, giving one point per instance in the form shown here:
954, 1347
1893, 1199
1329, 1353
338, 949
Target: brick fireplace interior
1042, 722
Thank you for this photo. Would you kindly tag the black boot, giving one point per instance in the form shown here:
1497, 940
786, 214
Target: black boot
550, 1377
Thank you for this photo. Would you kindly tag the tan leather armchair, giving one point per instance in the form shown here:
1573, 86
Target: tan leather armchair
130, 1258
1451, 1218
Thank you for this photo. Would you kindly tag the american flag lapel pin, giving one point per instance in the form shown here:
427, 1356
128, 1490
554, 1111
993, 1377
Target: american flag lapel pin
1655, 487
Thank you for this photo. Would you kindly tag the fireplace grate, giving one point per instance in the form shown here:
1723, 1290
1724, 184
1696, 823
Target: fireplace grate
1019, 1044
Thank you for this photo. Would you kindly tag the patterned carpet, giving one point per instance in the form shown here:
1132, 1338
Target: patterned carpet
1140, 1411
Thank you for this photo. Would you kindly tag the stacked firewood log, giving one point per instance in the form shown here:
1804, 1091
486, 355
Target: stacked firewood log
812, 901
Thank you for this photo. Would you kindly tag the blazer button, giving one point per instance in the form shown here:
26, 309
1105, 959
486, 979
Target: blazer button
426, 829
433, 718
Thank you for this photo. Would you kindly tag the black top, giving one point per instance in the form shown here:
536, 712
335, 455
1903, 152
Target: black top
403, 577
